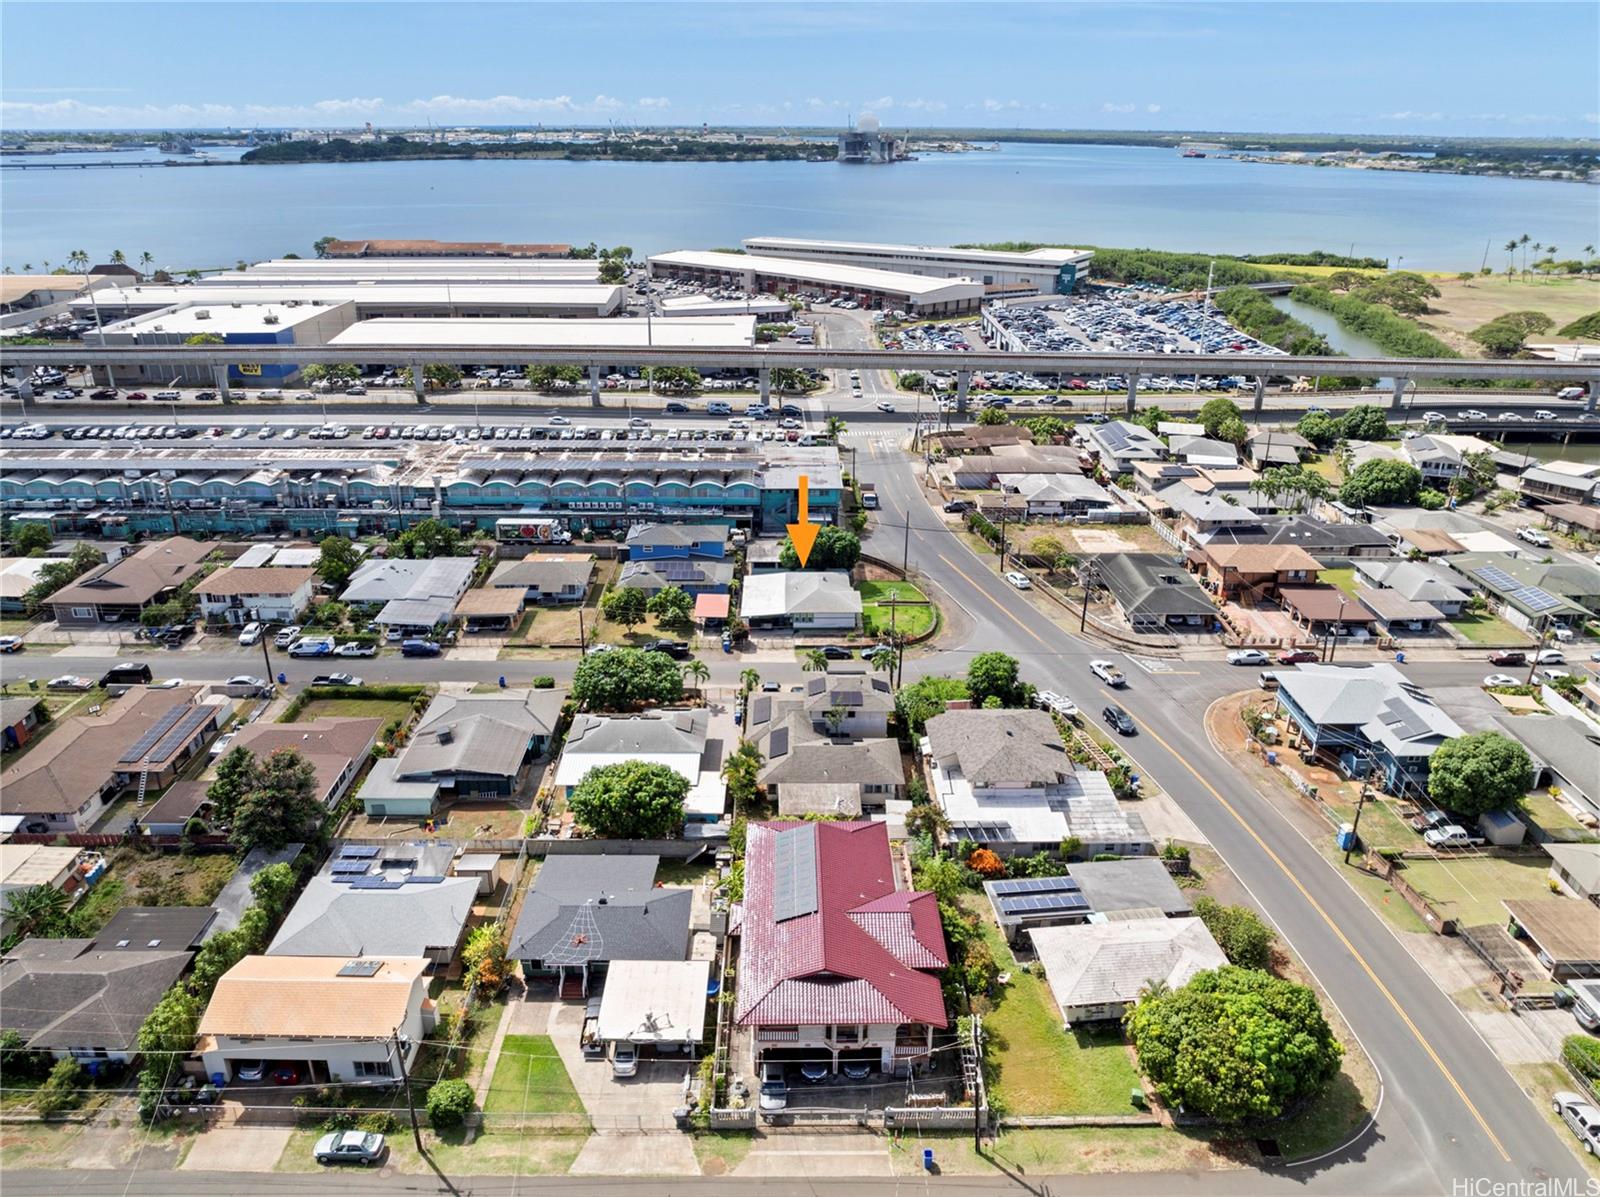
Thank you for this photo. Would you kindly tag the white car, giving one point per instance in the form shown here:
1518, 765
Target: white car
559, 420
1544, 414
1582, 1117
1019, 580
220, 744
1551, 656
1509, 417
1473, 413
286, 636
353, 648
1108, 673
1049, 700
1432, 417
250, 634
1248, 656
886, 407
1500, 679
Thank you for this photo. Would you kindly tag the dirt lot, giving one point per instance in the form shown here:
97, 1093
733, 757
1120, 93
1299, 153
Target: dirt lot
169, 879
1462, 307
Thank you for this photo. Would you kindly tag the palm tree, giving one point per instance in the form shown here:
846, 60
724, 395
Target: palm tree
834, 427
118, 257
1154, 988
1511, 250
78, 261
147, 260
27, 268
696, 668
814, 660
749, 679
1523, 241
883, 658
1588, 251
40, 909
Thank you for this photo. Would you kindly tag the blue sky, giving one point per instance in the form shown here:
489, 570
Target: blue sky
1447, 68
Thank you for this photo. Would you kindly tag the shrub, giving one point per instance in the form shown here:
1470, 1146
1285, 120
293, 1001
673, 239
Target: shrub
1244, 939
544, 682
986, 864
62, 1089
449, 1103
1582, 1054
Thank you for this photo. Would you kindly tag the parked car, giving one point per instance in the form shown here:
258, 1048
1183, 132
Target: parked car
624, 1059
286, 636
1019, 580
220, 744
1582, 1117
1534, 537
419, 648
1551, 656
956, 506
1450, 835
250, 633
249, 1070
834, 652
678, 650
1108, 673
350, 1147
815, 1071
1049, 700
1247, 656
1508, 656
335, 679
286, 1074
1500, 679
354, 648
69, 681
1119, 720
312, 646
1294, 656
855, 1070
10, 644
774, 1089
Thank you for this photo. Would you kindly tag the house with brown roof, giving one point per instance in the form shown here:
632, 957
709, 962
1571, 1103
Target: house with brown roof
1253, 571
243, 594
119, 592
1327, 611
333, 1019
66, 782
336, 747
491, 608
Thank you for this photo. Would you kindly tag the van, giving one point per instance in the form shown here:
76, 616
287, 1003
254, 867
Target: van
1269, 679
166, 396
270, 393
124, 674
718, 408
418, 648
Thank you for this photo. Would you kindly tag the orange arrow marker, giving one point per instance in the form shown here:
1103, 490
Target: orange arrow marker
804, 533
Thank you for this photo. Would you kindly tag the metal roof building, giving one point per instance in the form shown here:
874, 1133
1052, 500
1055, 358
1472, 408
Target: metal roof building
755, 273
686, 332
1048, 269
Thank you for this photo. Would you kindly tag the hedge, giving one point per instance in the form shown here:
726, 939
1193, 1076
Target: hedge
1582, 1054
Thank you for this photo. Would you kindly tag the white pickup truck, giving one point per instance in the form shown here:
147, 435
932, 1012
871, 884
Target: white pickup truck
1108, 673
1451, 835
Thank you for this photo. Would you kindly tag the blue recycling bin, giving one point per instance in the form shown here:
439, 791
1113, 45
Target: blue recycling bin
502, 681
1400, 658
283, 679
927, 1159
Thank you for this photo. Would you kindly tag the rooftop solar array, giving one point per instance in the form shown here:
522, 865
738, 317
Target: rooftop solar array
794, 872
778, 744
1033, 885
375, 883
1532, 597
1037, 905
681, 571
361, 968
816, 685
154, 732
761, 710
423, 880
358, 851
193, 720
348, 867
848, 698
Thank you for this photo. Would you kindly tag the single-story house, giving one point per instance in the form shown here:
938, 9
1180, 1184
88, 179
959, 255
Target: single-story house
1203, 451
804, 600
711, 610
18, 575
679, 542
338, 1020
1058, 496
66, 782
1528, 592
119, 591
336, 747
1565, 750
172, 812
1546, 484
1398, 615
1120, 443
23, 866
1327, 610
268, 594
491, 608
547, 577
1573, 517
809, 772
1564, 933
1137, 887
75, 998
694, 576
354, 911
674, 738
153, 928
412, 596
655, 1003
1096, 970
844, 701
584, 912
19, 718
1317, 537
1577, 868
1441, 588
1154, 594
466, 746
1275, 447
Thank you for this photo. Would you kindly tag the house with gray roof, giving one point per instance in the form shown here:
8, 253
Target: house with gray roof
1120, 443
1441, 588
1275, 446
356, 912
1138, 887
1154, 594
1054, 495
844, 701
1529, 592
1565, 751
546, 578
810, 771
413, 596
652, 542
674, 738
693, 576
1439, 462
585, 911
1203, 451
804, 600
1097, 970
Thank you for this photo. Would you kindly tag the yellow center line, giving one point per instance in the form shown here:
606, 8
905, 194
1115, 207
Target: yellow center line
995, 601
1344, 939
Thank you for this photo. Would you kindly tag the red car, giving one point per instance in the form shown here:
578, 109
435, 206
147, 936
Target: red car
1508, 657
1294, 656
136, 396
286, 1076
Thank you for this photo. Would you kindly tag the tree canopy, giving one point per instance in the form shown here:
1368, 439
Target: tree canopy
1479, 772
626, 605
1381, 481
924, 698
1364, 422
671, 605
994, 675
631, 800
836, 548
1244, 939
991, 416
425, 540
1319, 427
1234, 1044
1214, 413
30, 538
626, 677
337, 560
280, 805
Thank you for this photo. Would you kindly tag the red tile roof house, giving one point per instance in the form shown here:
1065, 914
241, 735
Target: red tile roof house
835, 963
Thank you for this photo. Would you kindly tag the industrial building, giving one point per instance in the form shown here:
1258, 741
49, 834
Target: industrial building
373, 300
766, 308
424, 248
1045, 271
753, 273
479, 338
234, 324
464, 270
868, 145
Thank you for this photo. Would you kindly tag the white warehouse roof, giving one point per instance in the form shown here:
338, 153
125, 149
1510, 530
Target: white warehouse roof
199, 316
498, 293
530, 270
914, 286
1044, 256
704, 332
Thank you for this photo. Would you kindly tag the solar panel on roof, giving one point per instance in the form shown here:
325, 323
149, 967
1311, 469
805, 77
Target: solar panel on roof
848, 698
1535, 599
361, 968
154, 732
794, 872
761, 710
348, 867
175, 737
778, 744
1034, 885
423, 880
375, 883
815, 685
1496, 577
359, 851
983, 832
1043, 904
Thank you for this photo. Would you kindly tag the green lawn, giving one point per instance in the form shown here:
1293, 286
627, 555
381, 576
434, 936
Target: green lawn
1544, 811
1470, 889
1344, 579
366, 708
877, 614
1036, 1067
1490, 631
530, 1079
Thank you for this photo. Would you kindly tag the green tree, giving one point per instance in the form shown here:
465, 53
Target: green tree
1234, 1044
814, 660
926, 819
235, 776
626, 677
1043, 428
671, 605
544, 378
56, 574
1214, 413
1244, 939
911, 380
612, 272
924, 698
165, 1040
320, 245
426, 540
1381, 482
30, 539
945, 877
1479, 772
336, 372
1149, 418
438, 375
835, 427
449, 1103
742, 771
1292, 487
994, 675
337, 560
990, 416
1364, 422
203, 339
626, 605
1233, 430
1319, 427
160, 615
696, 669
281, 804
38, 910
483, 958
835, 548
674, 378
63, 1089
635, 800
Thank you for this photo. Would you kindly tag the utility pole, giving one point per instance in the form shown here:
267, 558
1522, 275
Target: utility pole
405, 1078
905, 552
1085, 576
1544, 636
583, 640
265, 656
1004, 507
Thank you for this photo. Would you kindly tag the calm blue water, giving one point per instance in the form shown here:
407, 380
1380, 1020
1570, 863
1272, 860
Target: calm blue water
1102, 195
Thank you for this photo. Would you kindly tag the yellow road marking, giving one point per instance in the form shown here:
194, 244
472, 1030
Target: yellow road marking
1344, 939
995, 601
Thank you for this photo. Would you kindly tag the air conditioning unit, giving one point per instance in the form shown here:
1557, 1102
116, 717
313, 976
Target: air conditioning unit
202, 314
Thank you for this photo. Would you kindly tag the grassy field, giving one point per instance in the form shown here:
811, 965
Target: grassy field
490, 1153
1034, 1066
135, 880
877, 614
1462, 307
1490, 631
1470, 889
364, 708
1344, 579
1551, 815
530, 1079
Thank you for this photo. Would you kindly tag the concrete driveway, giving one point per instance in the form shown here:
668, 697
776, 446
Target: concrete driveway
236, 1148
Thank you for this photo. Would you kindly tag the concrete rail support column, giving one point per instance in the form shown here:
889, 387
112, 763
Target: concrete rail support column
219, 375
963, 385
1398, 400
1133, 391
765, 375
594, 386
419, 382
1261, 393
1594, 395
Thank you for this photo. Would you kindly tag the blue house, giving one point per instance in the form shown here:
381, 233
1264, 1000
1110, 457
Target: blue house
677, 542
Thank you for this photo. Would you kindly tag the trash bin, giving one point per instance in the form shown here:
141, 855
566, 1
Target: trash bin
927, 1159
502, 681
1400, 658
283, 679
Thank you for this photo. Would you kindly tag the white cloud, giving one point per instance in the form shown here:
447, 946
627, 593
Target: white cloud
655, 102
1108, 106
925, 105
1411, 116
1152, 108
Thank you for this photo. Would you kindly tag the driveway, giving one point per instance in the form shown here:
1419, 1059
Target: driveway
236, 1148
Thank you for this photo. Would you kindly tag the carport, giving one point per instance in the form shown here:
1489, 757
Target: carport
658, 1005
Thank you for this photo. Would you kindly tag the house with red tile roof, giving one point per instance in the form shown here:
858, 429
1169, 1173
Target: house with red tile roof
836, 964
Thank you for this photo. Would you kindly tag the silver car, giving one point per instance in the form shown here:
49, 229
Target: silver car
350, 1147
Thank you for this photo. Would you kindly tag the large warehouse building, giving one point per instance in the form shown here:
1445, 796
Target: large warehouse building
1046, 271
372, 299
478, 339
235, 324
412, 270
878, 288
